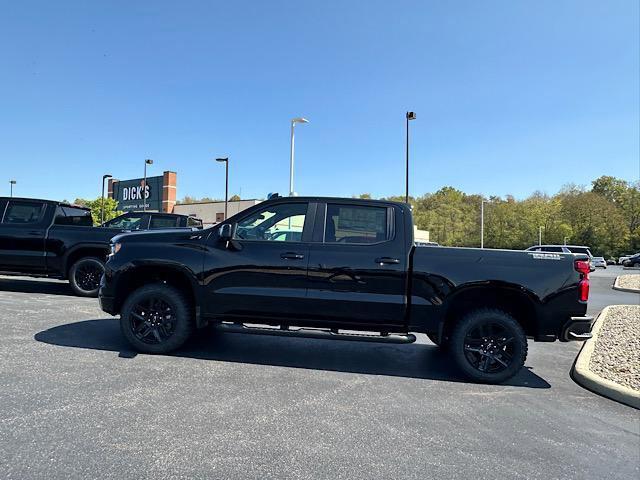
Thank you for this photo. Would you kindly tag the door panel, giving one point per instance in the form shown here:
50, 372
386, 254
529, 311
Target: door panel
22, 237
260, 274
362, 282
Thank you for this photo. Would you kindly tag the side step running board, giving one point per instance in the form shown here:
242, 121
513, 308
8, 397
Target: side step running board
315, 333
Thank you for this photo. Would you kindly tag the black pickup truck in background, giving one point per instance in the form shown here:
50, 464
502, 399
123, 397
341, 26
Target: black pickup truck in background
53, 239
353, 266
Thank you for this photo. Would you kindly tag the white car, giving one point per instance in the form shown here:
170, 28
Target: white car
599, 262
623, 258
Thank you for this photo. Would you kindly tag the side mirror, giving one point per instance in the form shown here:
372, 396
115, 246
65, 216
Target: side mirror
226, 232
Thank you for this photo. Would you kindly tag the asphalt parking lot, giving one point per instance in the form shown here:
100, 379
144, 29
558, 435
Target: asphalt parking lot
75, 401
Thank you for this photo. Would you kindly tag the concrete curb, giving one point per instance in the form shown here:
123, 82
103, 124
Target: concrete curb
616, 286
589, 380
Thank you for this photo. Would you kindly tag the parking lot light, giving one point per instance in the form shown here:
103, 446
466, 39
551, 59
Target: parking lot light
225, 160
293, 124
148, 161
409, 116
482, 223
11, 184
104, 177
540, 235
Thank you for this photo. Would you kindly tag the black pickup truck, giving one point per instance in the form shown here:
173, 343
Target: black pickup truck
54, 239
352, 273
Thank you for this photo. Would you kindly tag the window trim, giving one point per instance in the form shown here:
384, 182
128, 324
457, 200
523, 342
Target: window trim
4, 209
307, 227
390, 221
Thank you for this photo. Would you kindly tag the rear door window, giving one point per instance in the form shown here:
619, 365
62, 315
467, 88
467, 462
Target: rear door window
73, 216
356, 224
164, 221
21, 212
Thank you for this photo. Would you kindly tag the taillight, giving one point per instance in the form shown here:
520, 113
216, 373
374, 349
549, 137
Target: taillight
583, 290
583, 267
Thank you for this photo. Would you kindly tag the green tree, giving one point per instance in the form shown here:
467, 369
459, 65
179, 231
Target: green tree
110, 208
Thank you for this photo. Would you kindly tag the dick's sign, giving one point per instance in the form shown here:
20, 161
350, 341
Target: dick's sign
132, 195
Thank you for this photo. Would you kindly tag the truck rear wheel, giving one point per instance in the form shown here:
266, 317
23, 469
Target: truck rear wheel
488, 345
84, 276
156, 318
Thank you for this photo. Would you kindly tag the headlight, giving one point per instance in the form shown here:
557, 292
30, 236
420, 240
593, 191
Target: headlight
115, 248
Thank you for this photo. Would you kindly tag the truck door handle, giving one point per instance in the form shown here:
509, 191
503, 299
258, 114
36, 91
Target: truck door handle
386, 260
291, 256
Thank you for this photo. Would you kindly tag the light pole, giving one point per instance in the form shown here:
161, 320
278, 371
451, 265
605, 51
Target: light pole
409, 116
104, 177
540, 235
565, 240
293, 125
482, 223
226, 183
148, 161
11, 184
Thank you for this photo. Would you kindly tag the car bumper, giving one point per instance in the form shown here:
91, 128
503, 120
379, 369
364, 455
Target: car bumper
577, 329
107, 304
105, 294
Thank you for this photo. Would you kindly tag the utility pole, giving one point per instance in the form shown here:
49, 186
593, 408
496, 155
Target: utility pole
12, 183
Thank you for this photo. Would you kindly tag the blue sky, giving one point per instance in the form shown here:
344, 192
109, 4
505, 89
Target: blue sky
511, 96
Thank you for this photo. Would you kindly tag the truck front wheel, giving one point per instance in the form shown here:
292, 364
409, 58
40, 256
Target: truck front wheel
156, 318
488, 345
84, 276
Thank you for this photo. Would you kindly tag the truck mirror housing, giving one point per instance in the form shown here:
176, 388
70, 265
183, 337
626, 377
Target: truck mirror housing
226, 232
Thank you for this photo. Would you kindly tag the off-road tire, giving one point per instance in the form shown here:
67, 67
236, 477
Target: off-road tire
459, 345
83, 281
181, 317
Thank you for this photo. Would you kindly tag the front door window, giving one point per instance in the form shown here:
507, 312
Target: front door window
277, 223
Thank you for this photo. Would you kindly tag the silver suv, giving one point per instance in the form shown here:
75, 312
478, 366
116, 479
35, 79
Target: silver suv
561, 249
564, 249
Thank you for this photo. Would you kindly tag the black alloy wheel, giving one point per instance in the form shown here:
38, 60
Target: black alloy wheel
157, 318
152, 320
85, 275
488, 345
